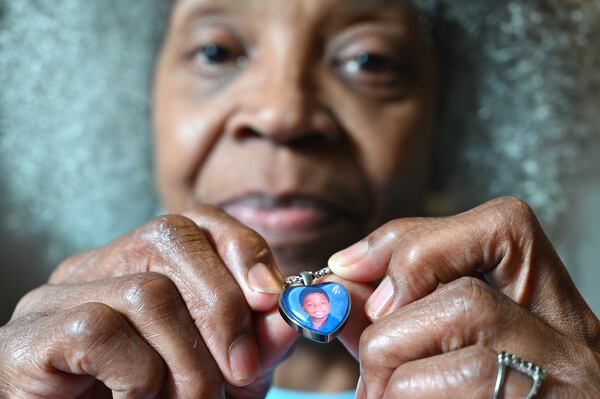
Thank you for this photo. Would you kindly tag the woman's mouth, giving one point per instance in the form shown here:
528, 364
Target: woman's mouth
281, 215
288, 220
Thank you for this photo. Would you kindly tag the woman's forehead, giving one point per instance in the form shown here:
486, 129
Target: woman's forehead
317, 14
360, 3
303, 6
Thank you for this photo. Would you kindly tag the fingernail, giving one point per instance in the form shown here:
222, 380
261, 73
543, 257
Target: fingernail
361, 392
350, 255
243, 359
261, 279
379, 303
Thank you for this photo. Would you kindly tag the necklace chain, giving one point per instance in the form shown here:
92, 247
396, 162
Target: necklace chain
315, 275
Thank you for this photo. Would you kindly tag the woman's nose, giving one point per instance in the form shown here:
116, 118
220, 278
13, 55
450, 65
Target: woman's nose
285, 109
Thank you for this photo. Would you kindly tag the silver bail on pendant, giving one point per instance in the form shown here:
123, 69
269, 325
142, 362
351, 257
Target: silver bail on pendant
307, 278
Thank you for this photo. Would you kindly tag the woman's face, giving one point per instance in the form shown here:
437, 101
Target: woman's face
309, 121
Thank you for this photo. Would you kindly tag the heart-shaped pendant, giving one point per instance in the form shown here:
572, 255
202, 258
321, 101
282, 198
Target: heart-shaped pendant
318, 311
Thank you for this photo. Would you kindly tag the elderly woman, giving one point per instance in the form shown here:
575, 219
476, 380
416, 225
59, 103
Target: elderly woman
285, 132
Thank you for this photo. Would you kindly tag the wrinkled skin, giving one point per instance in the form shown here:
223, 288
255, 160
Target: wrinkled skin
271, 105
424, 342
285, 131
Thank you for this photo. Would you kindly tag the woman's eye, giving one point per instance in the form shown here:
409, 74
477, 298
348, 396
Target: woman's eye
370, 63
385, 72
215, 59
214, 54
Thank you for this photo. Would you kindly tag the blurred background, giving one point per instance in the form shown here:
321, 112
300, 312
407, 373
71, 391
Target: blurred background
75, 137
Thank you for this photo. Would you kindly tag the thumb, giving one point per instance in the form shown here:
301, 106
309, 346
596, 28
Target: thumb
274, 339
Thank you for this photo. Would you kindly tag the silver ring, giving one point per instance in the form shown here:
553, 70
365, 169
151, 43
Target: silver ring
536, 373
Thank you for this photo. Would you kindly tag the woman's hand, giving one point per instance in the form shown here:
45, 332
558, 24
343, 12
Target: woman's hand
177, 308
428, 343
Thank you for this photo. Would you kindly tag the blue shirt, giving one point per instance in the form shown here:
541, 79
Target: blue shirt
330, 324
280, 393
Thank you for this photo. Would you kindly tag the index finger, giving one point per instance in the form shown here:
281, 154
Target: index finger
245, 253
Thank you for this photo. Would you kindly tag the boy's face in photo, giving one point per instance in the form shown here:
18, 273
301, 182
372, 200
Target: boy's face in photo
308, 121
316, 305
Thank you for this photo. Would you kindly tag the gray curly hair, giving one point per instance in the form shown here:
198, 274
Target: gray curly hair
520, 111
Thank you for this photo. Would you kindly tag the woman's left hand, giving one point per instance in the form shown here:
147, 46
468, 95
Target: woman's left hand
427, 342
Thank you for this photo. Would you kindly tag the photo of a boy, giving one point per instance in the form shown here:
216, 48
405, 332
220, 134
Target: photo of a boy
315, 302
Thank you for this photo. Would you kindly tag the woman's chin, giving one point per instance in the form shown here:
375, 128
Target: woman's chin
296, 251
303, 239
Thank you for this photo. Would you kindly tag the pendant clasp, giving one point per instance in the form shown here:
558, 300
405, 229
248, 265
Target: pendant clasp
307, 278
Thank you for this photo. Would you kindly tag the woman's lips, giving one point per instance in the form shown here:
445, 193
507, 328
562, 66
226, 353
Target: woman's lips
293, 221
280, 218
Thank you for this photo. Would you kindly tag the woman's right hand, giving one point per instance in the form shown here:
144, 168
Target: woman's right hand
176, 308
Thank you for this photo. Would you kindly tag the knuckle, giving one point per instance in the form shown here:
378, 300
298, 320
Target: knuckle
516, 210
30, 301
390, 231
67, 262
244, 239
479, 363
169, 228
411, 260
240, 238
149, 291
472, 296
397, 229
210, 210
411, 253
96, 335
92, 323
514, 203
173, 234
363, 345
61, 273
223, 306
17, 342
151, 386
370, 347
399, 385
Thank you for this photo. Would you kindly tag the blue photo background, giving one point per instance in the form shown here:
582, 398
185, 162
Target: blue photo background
338, 300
